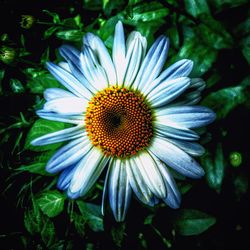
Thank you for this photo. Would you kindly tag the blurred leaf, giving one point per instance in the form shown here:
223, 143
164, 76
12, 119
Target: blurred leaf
48, 233
197, 7
70, 35
92, 215
43, 127
118, 233
2, 72
214, 167
202, 56
148, 220
225, 100
35, 168
133, 2
243, 29
146, 13
80, 223
39, 80
38, 165
93, 4
240, 186
107, 28
51, 202
245, 45
45, 56
174, 37
110, 6
222, 4
50, 31
193, 222
213, 79
33, 219
73, 23
214, 34
55, 16
16, 86
149, 29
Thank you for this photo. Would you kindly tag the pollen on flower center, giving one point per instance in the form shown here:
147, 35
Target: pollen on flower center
119, 122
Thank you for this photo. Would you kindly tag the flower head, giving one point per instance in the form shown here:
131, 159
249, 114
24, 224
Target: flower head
128, 114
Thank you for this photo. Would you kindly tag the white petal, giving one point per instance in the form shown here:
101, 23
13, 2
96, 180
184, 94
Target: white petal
173, 198
187, 116
69, 81
168, 91
191, 148
102, 54
150, 173
179, 69
66, 105
177, 133
119, 190
65, 66
133, 61
119, 52
176, 158
153, 63
105, 187
54, 93
138, 184
73, 119
73, 58
193, 94
134, 35
87, 172
68, 154
59, 136
92, 70
65, 177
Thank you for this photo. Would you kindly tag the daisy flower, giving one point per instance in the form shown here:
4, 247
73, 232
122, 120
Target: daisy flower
129, 115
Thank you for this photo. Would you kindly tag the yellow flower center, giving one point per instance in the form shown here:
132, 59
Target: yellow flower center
119, 122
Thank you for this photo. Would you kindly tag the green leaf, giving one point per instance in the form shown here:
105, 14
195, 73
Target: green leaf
16, 86
213, 33
33, 219
222, 4
92, 214
55, 16
107, 28
2, 73
225, 100
149, 219
51, 202
70, 35
146, 13
203, 56
240, 186
80, 223
50, 31
39, 80
197, 7
214, 167
38, 165
48, 233
118, 233
245, 45
193, 222
35, 168
110, 6
42, 127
